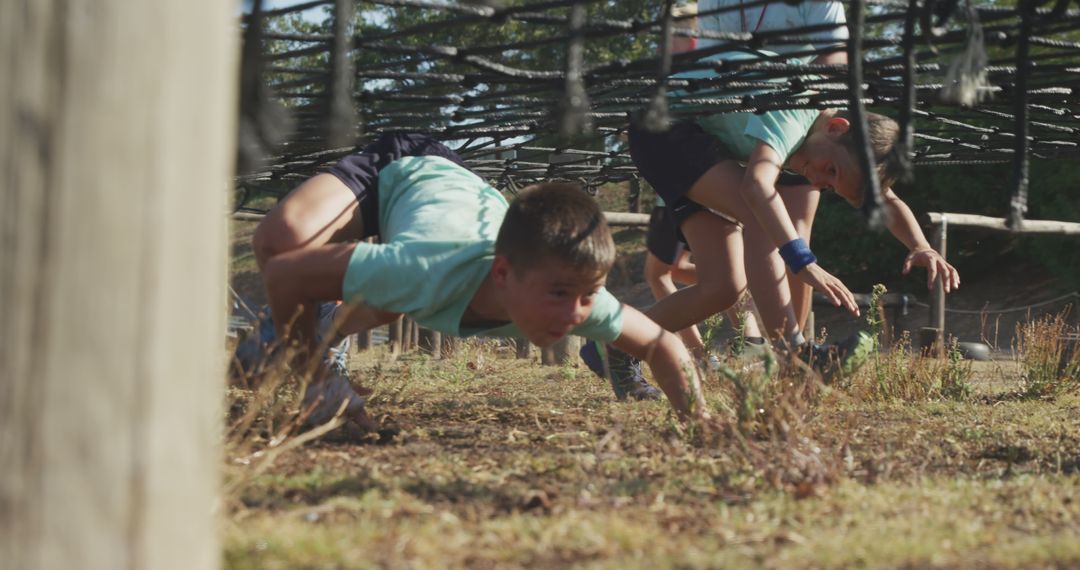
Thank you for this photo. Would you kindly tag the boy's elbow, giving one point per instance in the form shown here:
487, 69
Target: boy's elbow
670, 347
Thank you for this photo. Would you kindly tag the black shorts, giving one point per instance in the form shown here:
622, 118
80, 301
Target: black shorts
672, 161
360, 171
663, 238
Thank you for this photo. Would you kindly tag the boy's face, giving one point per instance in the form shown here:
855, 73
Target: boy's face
547, 301
830, 165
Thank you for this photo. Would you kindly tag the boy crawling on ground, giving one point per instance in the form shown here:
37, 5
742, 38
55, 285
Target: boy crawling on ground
453, 256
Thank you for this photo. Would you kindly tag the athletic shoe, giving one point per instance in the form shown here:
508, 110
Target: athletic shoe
855, 351
592, 354
754, 350
712, 363
256, 350
840, 360
628, 381
323, 399
626, 377
337, 353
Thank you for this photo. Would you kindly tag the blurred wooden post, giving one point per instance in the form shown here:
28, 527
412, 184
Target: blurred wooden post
430, 342
364, 340
932, 337
117, 126
524, 347
634, 198
394, 335
562, 352
406, 334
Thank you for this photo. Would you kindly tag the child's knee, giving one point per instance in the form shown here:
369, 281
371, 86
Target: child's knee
273, 237
722, 295
275, 275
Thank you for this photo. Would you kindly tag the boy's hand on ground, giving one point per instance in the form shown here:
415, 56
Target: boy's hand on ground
935, 265
833, 288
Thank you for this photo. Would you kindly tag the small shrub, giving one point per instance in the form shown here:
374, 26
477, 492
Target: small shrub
1049, 361
898, 374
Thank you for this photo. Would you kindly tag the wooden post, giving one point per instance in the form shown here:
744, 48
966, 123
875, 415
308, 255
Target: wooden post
430, 342
524, 347
634, 198
562, 352
117, 144
406, 334
395, 335
932, 337
364, 340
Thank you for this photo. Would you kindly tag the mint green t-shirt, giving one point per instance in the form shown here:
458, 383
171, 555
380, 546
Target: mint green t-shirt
438, 223
783, 130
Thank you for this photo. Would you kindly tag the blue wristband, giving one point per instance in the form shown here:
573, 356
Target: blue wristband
797, 254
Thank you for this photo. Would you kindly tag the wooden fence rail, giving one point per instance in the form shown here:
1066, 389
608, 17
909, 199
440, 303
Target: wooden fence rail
933, 335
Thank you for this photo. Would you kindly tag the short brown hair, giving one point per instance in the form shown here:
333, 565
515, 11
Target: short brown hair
883, 135
556, 220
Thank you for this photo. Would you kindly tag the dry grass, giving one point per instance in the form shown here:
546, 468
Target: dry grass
1048, 354
501, 462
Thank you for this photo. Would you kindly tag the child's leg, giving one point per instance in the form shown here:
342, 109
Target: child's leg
322, 210
660, 277
718, 189
743, 314
770, 283
683, 270
717, 246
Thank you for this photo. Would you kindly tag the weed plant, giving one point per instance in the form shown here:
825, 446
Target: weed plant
898, 373
1048, 356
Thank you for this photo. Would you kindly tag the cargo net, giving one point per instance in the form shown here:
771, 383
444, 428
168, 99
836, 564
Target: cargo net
534, 91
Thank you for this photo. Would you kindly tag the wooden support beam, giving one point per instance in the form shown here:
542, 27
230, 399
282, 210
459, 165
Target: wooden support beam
1053, 227
430, 342
117, 140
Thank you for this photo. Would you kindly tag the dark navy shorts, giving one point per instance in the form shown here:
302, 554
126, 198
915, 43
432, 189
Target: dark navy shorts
672, 161
663, 238
360, 171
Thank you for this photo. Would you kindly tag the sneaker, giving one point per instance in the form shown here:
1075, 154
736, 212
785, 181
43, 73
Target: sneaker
855, 351
256, 350
592, 354
626, 377
754, 349
628, 381
322, 400
337, 353
840, 360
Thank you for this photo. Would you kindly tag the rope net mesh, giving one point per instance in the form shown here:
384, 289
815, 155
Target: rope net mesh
533, 91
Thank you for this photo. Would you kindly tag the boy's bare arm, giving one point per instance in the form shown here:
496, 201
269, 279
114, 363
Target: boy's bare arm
903, 225
667, 357
758, 188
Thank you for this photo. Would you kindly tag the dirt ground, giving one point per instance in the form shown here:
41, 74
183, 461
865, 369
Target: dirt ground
501, 462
